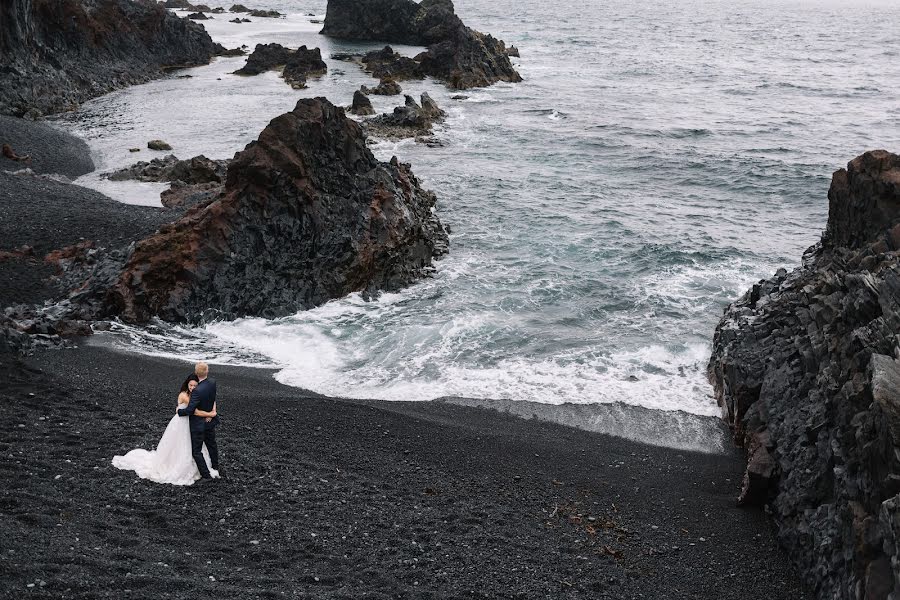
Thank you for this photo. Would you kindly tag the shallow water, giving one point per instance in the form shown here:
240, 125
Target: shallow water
656, 161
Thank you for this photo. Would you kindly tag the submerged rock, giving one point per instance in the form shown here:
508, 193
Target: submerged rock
55, 55
805, 368
308, 214
296, 65
457, 54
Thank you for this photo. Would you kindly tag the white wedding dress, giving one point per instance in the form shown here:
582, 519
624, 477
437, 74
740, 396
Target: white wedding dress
172, 461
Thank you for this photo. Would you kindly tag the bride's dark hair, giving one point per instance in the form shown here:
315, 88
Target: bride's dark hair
184, 386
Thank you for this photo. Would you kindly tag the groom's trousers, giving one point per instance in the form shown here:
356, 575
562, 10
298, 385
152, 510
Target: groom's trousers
198, 438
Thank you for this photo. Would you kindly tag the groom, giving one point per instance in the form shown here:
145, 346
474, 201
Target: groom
203, 430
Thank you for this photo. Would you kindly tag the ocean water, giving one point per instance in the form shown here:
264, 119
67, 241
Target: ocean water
657, 160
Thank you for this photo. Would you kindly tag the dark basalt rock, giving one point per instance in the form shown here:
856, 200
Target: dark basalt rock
361, 104
308, 214
297, 64
410, 120
387, 87
272, 14
55, 54
805, 366
186, 195
194, 170
199, 16
387, 64
238, 8
457, 54
223, 51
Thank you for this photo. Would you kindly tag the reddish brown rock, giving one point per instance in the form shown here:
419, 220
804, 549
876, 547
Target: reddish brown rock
308, 215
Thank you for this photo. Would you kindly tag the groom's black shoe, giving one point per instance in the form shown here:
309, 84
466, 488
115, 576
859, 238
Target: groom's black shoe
221, 473
205, 480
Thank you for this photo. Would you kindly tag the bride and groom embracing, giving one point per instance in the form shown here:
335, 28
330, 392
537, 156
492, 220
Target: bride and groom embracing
187, 450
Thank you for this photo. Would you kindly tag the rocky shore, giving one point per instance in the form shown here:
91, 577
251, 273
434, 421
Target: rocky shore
329, 498
55, 54
805, 366
458, 55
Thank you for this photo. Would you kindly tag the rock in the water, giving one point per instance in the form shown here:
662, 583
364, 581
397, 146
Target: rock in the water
361, 104
457, 54
512, 51
297, 64
223, 51
198, 16
185, 195
238, 8
409, 120
308, 214
387, 64
55, 55
386, 87
195, 170
273, 14
804, 366
158, 145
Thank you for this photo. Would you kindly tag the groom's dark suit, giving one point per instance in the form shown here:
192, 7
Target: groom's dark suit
203, 397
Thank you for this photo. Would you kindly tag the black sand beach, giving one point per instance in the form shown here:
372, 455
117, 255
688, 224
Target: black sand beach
328, 498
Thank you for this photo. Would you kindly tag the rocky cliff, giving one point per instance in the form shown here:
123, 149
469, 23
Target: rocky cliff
55, 54
307, 215
459, 55
805, 366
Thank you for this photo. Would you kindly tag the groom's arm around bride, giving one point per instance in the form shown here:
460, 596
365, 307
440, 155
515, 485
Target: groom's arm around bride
203, 399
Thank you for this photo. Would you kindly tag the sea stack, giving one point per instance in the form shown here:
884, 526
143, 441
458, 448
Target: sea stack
459, 55
805, 366
307, 215
56, 54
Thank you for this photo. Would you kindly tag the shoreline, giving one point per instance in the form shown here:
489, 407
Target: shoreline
349, 498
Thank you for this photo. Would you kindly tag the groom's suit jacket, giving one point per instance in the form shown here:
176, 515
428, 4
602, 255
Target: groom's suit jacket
203, 397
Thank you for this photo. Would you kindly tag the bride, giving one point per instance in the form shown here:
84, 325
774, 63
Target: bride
172, 461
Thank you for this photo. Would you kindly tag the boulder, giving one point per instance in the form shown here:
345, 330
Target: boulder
805, 368
57, 54
194, 170
361, 104
457, 54
307, 215
159, 145
272, 14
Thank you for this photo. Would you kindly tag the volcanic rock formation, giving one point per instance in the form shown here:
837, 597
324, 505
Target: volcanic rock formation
806, 367
458, 55
409, 120
297, 64
308, 214
361, 104
55, 54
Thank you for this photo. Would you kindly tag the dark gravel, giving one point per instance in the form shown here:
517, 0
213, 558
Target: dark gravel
328, 498
51, 150
48, 215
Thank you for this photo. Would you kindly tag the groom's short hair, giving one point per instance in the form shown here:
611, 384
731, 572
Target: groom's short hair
201, 369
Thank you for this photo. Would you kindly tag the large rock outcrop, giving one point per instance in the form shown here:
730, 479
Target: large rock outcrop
806, 366
459, 55
55, 54
297, 65
308, 214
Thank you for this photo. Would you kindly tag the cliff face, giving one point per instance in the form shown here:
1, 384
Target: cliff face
58, 53
308, 214
458, 55
806, 369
